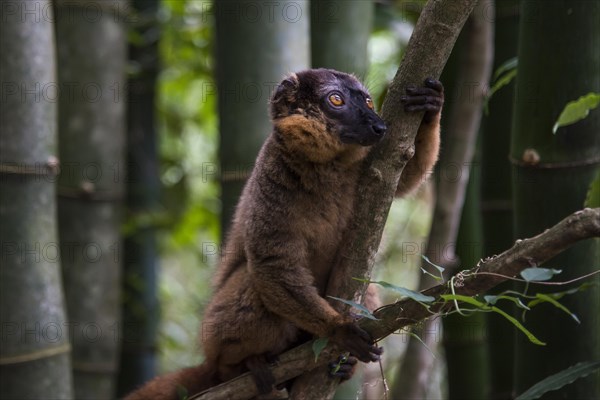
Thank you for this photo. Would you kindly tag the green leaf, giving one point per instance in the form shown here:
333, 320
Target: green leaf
437, 278
440, 269
539, 274
339, 363
508, 65
182, 393
502, 81
318, 346
558, 380
416, 296
550, 299
593, 195
484, 307
364, 311
516, 323
492, 300
465, 299
577, 110
559, 295
499, 84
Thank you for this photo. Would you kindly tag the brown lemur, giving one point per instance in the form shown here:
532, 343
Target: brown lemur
288, 227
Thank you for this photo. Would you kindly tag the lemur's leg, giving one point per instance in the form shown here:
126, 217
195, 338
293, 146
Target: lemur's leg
429, 99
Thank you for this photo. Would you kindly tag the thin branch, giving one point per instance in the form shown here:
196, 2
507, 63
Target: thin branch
562, 283
525, 253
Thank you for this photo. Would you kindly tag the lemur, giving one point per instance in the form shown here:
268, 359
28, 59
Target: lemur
269, 289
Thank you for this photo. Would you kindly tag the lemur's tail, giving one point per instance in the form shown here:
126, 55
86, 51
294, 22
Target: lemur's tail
177, 385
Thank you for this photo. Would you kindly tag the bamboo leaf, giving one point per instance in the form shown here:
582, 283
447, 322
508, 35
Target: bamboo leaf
560, 379
539, 274
577, 110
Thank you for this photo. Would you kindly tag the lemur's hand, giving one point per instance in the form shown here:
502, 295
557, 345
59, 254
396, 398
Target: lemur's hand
428, 98
350, 337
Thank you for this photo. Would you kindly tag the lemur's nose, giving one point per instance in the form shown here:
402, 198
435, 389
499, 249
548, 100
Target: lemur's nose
379, 128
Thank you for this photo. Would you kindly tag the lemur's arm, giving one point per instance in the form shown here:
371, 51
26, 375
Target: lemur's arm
281, 277
430, 99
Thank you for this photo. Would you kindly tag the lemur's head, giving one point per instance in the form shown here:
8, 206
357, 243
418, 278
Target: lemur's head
324, 112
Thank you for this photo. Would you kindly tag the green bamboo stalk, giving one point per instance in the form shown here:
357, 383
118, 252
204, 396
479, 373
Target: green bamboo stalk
551, 175
92, 54
339, 33
254, 52
496, 200
464, 338
34, 349
140, 268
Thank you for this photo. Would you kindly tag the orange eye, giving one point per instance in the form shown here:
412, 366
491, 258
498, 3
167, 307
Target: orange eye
369, 103
336, 100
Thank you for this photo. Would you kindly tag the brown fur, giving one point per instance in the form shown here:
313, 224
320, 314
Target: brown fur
286, 232
420, 167
177, 384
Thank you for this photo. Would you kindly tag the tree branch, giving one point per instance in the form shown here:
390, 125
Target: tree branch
524, 254
428, 50
426, 54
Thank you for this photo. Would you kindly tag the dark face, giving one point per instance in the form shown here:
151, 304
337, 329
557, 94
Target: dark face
349, 106
337, 98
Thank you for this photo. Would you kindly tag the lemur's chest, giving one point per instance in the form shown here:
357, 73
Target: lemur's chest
325, 221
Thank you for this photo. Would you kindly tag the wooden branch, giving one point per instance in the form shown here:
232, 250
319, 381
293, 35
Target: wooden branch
426, 54
524, 254
428, 50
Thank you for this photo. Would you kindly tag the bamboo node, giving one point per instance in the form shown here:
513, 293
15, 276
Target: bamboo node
531, 157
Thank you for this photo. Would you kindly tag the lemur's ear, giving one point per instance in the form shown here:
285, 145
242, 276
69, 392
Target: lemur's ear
284, 97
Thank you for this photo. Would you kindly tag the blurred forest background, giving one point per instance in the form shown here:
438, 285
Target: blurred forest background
156, 110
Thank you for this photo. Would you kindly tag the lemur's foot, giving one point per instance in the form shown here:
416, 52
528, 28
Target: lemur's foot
344, 367
259, 367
